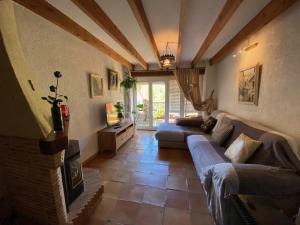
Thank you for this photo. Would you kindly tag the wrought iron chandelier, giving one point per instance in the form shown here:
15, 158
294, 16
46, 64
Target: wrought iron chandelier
168, 59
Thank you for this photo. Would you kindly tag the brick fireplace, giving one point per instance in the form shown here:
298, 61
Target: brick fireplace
33, 180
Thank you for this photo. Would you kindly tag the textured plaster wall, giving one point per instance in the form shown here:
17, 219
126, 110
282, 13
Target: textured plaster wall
48, 48
15, 93
278, 51
210, 81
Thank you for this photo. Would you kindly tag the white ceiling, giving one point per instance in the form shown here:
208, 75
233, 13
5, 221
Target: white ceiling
164, 16
122, 16
246, 11
198, 25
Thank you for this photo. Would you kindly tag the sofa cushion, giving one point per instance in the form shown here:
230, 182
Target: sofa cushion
241, 149
190, 121
222, 132
172, 132
208, 125
274, 150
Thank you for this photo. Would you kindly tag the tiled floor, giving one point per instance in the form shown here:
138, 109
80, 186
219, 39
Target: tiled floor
147, 186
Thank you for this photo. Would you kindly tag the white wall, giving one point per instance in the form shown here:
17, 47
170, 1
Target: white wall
278, 51
49, 48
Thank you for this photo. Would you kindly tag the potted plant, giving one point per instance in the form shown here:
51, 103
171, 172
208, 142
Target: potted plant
140, 107
119, 108
129, 81
55, 100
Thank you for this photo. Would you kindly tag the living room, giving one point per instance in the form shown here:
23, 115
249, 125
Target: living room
150, 112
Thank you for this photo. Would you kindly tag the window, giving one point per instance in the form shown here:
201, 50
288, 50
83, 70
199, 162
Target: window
174, 100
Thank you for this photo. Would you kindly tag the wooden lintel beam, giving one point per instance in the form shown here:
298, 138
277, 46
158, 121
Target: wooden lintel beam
267, 14
141, 17
97, 14
228, 10
182, 20
153, 73
49, 12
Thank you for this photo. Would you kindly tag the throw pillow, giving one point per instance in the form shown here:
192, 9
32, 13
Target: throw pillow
190, 121
241, 149
222, 133
208, 125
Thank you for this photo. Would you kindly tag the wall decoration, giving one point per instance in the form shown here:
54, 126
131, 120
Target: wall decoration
249, 81
96, 83
112, 80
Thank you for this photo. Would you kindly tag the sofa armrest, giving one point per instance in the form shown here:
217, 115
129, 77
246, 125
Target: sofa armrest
266, 180
251, 179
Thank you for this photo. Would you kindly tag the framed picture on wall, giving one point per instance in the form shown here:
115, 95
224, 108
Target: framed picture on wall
96, 84
112, 80
249, 82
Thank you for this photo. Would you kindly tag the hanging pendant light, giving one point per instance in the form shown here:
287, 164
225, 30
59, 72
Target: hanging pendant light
167, 60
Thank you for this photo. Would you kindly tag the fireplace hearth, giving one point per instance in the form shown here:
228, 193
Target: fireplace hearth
72, 173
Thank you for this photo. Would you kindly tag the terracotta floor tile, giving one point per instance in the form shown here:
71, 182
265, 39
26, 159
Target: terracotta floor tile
155, 196
177, 199
176, 217
139, 178
121, 156
113, 189
107, 174
125, 212
160, 169
134, 157
194, 185
201, 219
93, 221
144, 167
159, 181
129, 166
110, 164
198, 202
122, 176
136, 181
148, 159
134, 193
192, 173
177, 170
149, 215
104, 209
177, 183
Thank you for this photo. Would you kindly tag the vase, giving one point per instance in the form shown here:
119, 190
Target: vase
57, 118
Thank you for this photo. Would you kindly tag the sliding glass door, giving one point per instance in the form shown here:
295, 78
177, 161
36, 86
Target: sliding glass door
158, 103
158, 100
142, 102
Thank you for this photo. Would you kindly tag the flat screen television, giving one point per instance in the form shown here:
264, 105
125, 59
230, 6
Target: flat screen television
111, 115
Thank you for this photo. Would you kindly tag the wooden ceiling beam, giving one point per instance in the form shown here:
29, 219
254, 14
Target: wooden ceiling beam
97, 14
228, 10
47, 11
182, 21
141, 17
267, 14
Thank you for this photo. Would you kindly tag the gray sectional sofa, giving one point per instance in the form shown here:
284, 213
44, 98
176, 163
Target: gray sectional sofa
273, 170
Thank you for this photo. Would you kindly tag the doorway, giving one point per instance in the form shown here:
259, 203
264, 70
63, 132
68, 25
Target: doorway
158, 100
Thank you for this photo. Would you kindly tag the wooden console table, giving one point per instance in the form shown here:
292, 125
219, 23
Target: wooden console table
111, 138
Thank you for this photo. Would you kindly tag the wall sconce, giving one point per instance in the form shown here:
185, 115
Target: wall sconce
247, 48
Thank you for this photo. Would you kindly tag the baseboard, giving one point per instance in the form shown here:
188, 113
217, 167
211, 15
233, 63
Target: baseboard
89, 159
